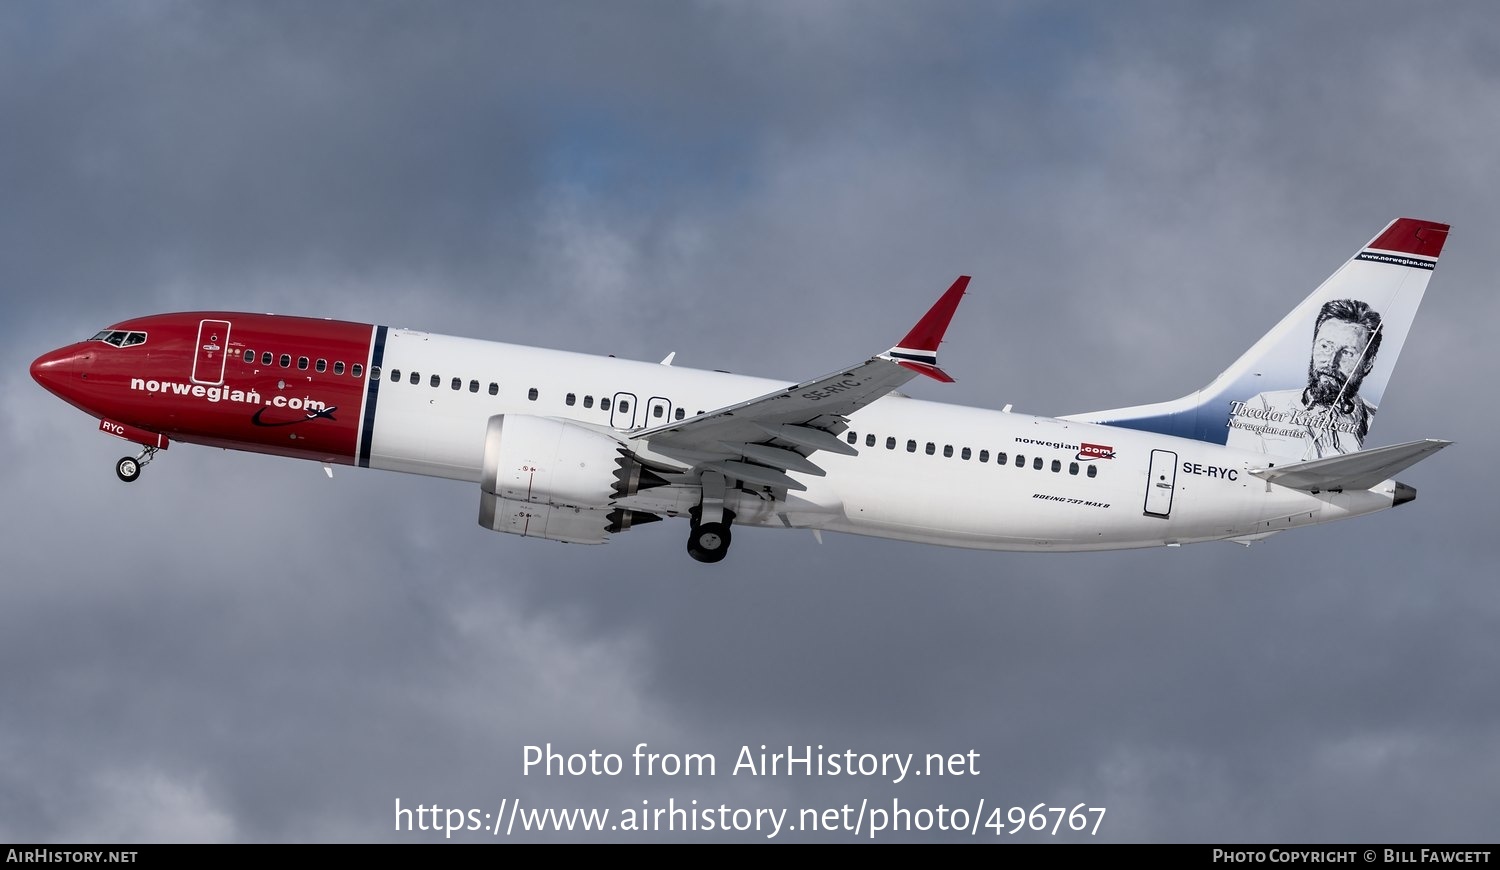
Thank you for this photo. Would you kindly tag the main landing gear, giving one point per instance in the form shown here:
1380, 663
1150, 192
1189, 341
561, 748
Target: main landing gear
129, 467
709, 542
708, 537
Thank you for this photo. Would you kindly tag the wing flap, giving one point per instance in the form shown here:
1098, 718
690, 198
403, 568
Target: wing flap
777, 457
810, 438
750, 472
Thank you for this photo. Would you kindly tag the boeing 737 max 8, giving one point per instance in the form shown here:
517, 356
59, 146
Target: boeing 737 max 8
572, 447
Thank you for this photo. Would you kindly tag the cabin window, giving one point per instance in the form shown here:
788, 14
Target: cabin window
658, 411
395, 375
1093, 472
1037, 463
1020, 461
947, 451
911, 446
434, 380
302, 363
570, 399
266, 358
890, 442
415, 379
851, 437
286, 360
984, 456
965, 454
473, 386
531, 394
1056, 466
1000, 459
870, 440
680, 414
588, 401
931, 448
494, 388
458, 384
338, 367
249, 356
604, 404
1072, 468
322, 366
624, 406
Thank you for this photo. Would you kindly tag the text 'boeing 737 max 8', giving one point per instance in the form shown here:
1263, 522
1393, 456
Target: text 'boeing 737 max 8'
576, 448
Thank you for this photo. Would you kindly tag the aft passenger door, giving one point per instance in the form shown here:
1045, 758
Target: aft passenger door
1161, 482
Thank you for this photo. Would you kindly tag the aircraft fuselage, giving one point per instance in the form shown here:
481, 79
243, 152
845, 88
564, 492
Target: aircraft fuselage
400, 400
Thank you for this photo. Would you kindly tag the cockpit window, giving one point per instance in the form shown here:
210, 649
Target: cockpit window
119, 337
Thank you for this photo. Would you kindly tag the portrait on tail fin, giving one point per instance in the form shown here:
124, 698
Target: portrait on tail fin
1281, 398
1328, 415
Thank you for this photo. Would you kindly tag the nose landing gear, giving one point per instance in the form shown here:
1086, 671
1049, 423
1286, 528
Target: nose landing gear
129, 467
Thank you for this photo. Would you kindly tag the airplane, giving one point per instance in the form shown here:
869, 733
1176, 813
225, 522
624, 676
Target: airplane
576, 448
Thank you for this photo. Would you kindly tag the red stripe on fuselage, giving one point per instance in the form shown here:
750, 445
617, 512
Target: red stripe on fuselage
287, 410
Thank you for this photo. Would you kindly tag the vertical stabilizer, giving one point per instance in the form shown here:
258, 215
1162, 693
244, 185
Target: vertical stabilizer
1312, 385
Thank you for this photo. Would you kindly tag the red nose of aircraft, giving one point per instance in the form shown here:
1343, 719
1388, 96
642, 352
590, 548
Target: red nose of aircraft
61, 371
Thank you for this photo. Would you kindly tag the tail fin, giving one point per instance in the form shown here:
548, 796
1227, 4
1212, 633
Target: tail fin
1311, 386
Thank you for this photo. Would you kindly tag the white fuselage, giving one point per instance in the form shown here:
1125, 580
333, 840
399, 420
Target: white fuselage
925, 471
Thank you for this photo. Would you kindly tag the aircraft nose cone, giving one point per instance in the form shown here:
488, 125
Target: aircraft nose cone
54, 369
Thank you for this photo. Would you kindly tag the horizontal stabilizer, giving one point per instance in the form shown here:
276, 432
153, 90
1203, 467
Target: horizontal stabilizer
1360, 470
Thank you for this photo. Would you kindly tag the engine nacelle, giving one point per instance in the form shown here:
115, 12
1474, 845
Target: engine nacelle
549, 478
542, 460
572, 525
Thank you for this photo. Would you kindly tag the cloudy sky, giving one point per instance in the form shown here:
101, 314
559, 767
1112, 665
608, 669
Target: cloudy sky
236, 648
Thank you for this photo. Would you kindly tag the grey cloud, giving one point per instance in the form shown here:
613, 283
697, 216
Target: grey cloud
236, 649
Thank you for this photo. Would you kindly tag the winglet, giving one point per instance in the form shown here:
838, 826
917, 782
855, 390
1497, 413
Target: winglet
918, 350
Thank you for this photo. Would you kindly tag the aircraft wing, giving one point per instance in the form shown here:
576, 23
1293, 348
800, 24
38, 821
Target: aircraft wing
1360, 470
759, 441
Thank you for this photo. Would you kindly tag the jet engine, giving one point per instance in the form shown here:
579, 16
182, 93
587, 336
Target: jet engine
555, 479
